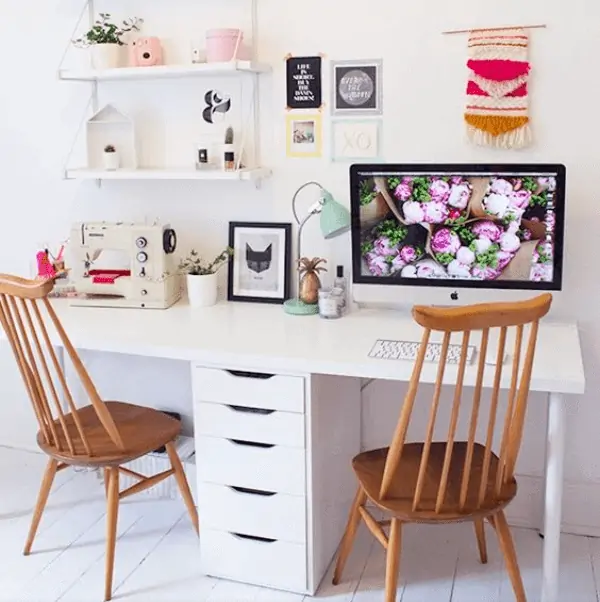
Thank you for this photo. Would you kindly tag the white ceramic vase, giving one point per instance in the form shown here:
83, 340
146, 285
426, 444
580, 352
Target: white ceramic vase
202, 290
111, 161
105, 56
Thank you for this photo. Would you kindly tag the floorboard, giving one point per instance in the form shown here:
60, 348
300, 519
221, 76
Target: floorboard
157, 556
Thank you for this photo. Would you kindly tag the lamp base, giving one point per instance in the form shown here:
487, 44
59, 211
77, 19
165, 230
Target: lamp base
296, 307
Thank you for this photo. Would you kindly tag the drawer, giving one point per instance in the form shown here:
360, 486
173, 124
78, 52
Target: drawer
249, 424
263, 513
264, 562
252, 465
256, 390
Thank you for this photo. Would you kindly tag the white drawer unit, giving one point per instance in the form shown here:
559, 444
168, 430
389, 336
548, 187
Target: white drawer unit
251, 389
260, 561
249, 424
254, 512
261, 466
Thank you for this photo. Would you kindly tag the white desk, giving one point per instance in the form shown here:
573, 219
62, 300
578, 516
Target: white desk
314, 430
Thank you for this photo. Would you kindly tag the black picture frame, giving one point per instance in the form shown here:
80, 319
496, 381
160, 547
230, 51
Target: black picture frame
283, 250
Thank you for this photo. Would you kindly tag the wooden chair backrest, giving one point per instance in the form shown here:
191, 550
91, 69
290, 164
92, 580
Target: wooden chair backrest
22, 305
484, 318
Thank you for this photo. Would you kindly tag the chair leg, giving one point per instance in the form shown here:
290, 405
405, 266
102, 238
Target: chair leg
349, 534
480, 534
112, 513
392, 561
510, 556
183, 484
106, 478
45, 487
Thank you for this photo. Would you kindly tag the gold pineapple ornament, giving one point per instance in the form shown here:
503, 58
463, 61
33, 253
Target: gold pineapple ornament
310, 282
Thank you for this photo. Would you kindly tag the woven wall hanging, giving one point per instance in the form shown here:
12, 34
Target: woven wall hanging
497, 97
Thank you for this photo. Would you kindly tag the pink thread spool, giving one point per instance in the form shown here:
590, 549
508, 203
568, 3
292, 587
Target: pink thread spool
223, 44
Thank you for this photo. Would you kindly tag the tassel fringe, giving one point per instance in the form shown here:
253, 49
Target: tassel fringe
517, 138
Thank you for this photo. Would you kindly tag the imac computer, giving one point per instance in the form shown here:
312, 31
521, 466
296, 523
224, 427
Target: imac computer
455, 234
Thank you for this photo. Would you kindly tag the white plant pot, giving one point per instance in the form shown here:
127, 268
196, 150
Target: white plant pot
202, 290
105, 56
111, 161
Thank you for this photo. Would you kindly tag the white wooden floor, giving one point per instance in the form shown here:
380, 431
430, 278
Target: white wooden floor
157, 559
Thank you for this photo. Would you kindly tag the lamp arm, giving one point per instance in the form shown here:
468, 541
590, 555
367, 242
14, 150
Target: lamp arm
299, 250
312, 183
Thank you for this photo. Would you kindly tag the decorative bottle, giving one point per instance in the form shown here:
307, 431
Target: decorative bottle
341, 284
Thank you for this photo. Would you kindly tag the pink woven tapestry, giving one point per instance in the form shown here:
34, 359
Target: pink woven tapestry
497, 97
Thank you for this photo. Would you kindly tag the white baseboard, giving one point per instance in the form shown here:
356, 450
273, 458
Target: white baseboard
580, 509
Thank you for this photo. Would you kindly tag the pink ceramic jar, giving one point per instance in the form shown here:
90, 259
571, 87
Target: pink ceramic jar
221, 45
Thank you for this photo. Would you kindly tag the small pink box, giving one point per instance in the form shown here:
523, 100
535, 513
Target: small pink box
145, 52
221, 45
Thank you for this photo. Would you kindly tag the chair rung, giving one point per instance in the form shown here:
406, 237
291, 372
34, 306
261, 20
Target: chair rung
132, 473
146, 483
374, 527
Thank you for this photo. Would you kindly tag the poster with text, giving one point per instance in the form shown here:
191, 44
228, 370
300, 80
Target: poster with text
304, 82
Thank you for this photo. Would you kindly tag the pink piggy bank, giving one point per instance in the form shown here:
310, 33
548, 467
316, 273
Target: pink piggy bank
145, 52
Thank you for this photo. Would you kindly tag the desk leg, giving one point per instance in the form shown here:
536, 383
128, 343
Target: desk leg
555, 448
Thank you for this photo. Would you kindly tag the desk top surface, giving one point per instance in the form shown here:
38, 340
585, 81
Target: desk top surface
263, 338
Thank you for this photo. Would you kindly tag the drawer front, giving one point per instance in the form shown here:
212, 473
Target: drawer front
269, 391
268, 563
263, 513
249, 424
255, 466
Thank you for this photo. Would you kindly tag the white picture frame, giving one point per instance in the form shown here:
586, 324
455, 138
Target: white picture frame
356, 140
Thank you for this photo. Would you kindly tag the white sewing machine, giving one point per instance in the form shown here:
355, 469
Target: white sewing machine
149, 277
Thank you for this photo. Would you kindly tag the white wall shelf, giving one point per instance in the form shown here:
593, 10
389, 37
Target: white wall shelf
255, 175
164, 71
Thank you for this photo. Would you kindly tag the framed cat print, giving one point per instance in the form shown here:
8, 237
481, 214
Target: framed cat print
259, 269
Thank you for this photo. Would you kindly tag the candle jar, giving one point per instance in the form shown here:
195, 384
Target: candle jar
329, 304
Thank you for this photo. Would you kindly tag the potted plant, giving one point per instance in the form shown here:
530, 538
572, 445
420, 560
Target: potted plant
111, 158
201, 278
104, 39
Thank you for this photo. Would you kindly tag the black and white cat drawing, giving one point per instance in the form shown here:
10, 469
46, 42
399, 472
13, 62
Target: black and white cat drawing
258, 261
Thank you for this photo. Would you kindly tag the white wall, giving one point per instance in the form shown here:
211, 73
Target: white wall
424, 81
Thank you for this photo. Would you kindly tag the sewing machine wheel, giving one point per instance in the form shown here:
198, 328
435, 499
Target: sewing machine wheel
169, 241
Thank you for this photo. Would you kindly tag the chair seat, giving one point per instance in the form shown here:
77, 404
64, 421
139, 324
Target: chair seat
142, 431
369, 467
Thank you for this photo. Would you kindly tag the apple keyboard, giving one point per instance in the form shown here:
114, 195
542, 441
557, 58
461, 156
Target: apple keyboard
408, 350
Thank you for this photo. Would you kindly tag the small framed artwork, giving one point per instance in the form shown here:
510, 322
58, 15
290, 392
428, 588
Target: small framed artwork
355, 140
357, 87
260, 268
304, 135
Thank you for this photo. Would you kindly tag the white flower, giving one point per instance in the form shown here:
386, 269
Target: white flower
409, 271
413, 212
459, 196
428, 268
501, 186
496, 204
465, 256
482, 245
456, 268
513, 227
509, 242
435, 212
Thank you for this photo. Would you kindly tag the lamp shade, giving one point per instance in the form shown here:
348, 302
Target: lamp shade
335, 218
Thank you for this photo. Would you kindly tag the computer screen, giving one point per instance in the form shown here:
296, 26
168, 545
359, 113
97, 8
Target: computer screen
458, 225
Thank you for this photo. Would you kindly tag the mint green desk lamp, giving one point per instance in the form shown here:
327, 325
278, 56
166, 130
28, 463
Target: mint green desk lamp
335, 220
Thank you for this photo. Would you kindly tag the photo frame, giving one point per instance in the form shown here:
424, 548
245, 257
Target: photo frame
260, 267
304, 135
356, 140
357, 87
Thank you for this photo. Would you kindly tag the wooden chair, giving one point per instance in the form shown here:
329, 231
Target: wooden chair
449, 481
102, 434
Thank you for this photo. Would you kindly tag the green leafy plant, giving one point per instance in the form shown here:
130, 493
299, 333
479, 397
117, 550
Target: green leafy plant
366, 247
538, 199
466, 235
367, 192
444, 258
393, 182
392, 230
194, 265
104, 31
421, 189
109, 148
488, 258
529, 183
